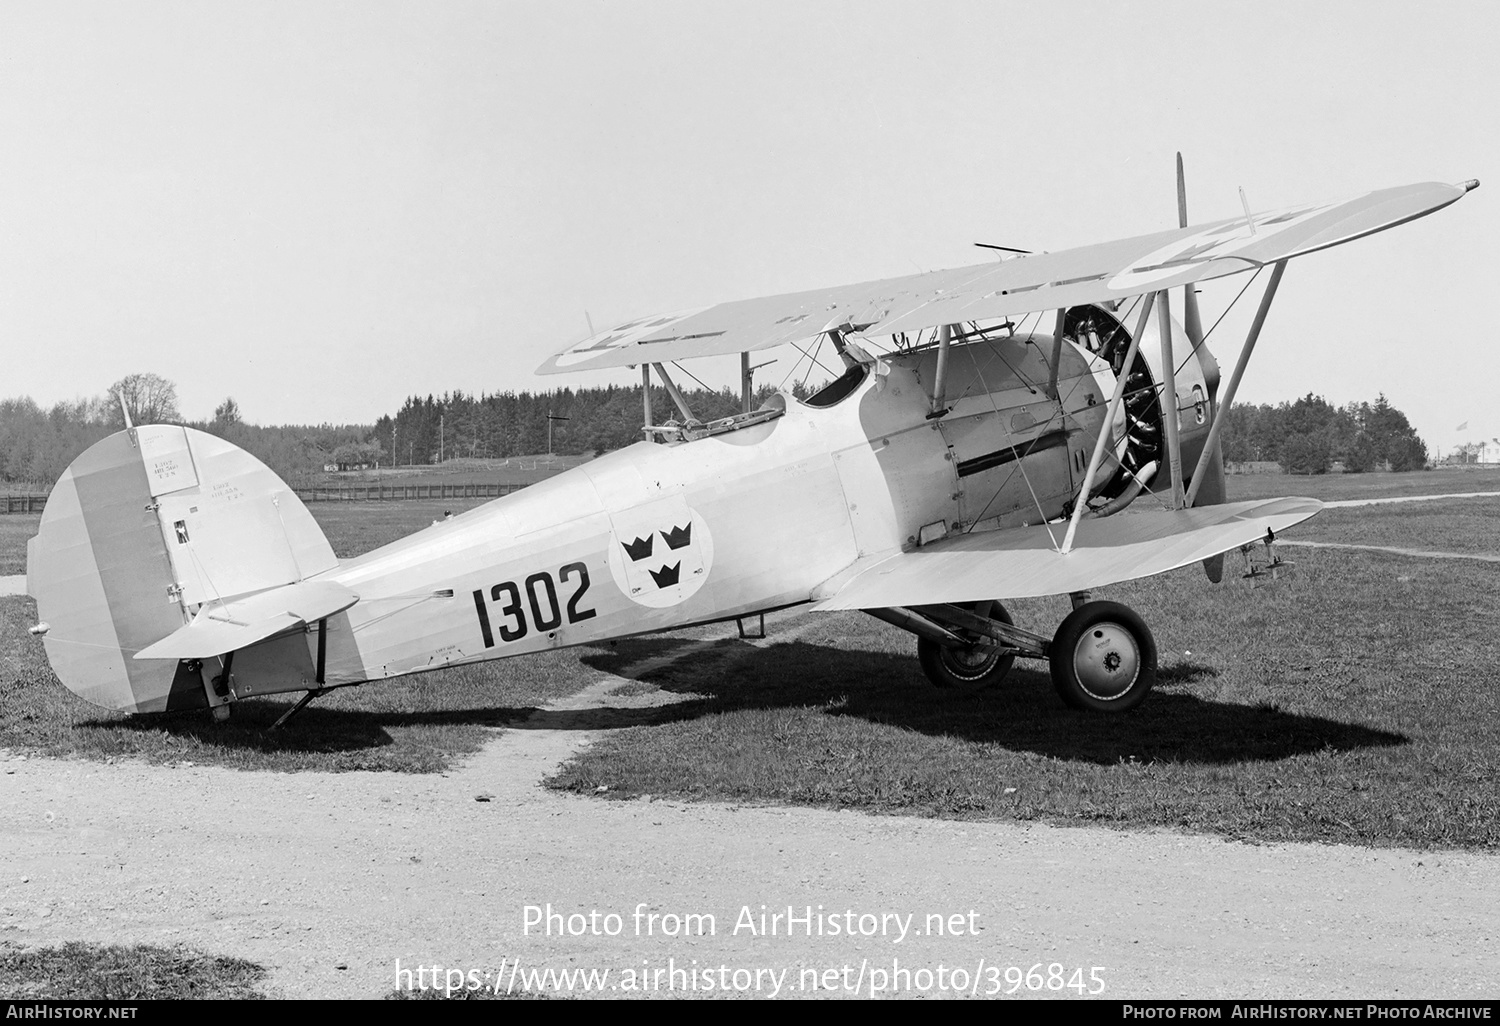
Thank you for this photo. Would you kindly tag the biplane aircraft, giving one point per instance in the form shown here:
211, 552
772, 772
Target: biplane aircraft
988, 424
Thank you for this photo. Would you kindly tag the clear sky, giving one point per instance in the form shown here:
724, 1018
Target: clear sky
321, 208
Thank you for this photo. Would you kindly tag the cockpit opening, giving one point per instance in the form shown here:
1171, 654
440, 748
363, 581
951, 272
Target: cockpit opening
837, 390
857, 364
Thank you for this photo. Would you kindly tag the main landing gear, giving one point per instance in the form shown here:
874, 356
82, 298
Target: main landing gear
971, 667
1102, 658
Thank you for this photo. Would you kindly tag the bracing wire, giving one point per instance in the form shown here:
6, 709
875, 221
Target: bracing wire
691, 375
1021, 461
1236, 299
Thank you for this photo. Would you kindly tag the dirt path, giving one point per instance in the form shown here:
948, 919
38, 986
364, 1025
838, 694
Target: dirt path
1483, 557
1343, 503
1419, 553
329, 879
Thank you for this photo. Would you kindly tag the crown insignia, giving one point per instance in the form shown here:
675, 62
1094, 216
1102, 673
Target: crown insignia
666, 576
639, 549
677, 537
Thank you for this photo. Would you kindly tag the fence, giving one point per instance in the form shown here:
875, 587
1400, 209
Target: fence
23, 503
341, 493
389, 493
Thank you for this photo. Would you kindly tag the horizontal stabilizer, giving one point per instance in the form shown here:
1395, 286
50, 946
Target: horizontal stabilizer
223, 627
1024, 562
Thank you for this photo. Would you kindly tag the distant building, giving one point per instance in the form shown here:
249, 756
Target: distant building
1484, 453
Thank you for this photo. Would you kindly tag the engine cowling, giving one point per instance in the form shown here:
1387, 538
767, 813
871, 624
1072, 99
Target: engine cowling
1104, 331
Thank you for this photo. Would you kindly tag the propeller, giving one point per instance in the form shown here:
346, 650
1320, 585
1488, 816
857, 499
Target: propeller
1212, 490
1190, 318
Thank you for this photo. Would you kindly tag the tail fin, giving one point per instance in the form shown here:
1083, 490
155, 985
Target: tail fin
140, 531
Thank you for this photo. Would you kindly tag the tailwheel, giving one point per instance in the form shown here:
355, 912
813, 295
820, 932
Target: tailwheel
973, 667
1103, 658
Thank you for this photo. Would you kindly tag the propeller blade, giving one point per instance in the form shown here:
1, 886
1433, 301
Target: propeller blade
1212, 490
1190, 318
1213, 566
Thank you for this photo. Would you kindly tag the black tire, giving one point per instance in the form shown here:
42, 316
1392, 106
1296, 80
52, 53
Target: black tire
1103, 658
969, 669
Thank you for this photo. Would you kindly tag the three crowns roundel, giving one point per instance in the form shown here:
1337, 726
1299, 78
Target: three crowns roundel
660, 552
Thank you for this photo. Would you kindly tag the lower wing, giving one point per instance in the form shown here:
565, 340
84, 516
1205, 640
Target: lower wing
1025, 562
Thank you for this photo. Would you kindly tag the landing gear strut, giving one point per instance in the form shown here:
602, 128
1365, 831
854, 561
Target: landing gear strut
301, 704
1102, 659
980, 664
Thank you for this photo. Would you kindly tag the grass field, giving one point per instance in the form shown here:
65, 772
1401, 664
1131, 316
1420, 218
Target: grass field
142, 972
520, 470
356, 527
360, 526
16, 529
1453, 525
351, 527
415, 724
1355, 703
1352, 703
1362, 486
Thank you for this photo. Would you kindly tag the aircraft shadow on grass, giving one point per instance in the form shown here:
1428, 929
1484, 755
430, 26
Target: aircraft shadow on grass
328, 729
1023, 713
316, 729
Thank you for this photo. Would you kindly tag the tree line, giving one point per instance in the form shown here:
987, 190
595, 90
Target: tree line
1310, 435
36, 444
1307, 436
586, 420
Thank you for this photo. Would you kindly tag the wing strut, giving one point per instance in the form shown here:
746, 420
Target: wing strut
674, 392
1227, 399
646, 392
1168, 398
1057, 344
1081, 503
940, 386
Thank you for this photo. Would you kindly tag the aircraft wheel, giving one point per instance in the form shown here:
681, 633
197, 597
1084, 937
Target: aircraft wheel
972, 668
1103, 658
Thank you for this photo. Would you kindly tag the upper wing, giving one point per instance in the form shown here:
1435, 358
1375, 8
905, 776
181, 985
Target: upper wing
1023, 562
1044, 281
